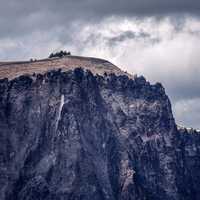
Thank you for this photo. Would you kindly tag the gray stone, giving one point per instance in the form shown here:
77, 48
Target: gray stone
72, 135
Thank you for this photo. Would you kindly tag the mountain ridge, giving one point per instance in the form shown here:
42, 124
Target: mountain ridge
12, 69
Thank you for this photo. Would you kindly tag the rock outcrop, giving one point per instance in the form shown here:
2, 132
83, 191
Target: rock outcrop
75, 135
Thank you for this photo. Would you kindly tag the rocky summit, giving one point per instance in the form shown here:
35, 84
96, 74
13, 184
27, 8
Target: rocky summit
80, 129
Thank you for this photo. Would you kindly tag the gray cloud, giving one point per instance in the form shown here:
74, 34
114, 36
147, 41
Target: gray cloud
120, 37
187, 112
127, 35
24, 16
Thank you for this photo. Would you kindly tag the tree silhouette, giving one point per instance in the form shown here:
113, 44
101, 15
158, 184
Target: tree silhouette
60, 54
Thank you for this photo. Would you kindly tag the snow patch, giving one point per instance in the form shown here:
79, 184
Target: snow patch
62, 102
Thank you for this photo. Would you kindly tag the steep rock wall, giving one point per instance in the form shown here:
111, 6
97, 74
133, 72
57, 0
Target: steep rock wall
72, 135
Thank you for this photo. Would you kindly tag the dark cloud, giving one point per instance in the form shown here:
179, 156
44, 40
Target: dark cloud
21, 17
120, 37
101, 8
127, 35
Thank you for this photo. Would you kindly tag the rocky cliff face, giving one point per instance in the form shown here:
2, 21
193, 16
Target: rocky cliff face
73, 135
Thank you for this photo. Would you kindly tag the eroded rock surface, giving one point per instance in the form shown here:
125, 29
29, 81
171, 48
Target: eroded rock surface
72, 135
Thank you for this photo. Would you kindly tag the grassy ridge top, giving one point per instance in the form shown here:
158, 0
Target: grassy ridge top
11, 70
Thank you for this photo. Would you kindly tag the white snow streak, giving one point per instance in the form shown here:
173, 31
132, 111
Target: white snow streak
62, 101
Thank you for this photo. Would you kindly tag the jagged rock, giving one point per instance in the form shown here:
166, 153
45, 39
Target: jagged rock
73, 135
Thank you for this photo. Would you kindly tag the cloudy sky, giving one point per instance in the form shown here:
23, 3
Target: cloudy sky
155, 38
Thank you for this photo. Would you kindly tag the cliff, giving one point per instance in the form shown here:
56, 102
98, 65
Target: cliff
74, 134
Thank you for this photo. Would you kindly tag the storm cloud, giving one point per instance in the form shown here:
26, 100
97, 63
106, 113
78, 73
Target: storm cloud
154, 38
21, 17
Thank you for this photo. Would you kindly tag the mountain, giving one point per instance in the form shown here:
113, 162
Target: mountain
91, 133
